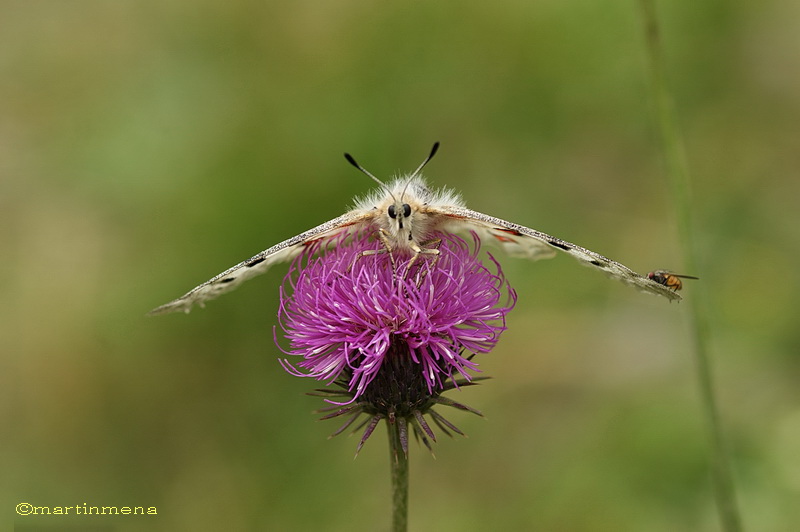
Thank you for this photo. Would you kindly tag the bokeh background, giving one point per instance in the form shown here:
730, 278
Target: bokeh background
147, 146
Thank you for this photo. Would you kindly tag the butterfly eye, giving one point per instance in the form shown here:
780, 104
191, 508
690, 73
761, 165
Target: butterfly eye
406, 210
392, 212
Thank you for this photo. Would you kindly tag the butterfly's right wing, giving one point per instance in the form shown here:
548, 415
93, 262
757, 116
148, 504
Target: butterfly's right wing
258, 264
530, 243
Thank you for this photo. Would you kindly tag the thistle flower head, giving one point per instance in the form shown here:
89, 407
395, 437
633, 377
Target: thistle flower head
391, 331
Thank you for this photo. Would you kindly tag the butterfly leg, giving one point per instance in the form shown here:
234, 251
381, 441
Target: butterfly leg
421, 273
419, 250
386, 249
431, 247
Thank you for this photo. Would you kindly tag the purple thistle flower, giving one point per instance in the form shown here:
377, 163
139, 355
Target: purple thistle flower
389, 330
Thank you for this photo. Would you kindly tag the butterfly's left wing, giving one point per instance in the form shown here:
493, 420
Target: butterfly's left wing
519, 240
258, 264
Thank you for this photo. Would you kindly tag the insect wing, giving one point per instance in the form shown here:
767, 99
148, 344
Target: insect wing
527, 242
667, 273
258, 264
669, 279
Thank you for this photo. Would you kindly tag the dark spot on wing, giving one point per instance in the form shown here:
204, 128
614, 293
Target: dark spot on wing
596, 263
228, 280
561, 245
254, 262
509, 231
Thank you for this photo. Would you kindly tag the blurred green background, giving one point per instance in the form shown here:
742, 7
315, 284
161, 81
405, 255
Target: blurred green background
147, 146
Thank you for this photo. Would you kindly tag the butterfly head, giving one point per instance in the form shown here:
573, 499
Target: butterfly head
401, 221
401, 205
399, 211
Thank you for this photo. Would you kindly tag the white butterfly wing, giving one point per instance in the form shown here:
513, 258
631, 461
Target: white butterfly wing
529, 243
258, 264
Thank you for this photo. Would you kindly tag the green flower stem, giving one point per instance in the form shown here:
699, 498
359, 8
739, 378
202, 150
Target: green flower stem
398, 462
679, 184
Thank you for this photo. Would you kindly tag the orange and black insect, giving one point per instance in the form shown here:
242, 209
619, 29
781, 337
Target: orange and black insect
669, 279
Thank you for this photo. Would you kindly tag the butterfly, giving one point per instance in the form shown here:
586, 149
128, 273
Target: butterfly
669, 279
405, 214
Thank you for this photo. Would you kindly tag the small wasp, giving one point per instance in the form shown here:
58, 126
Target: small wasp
669, 279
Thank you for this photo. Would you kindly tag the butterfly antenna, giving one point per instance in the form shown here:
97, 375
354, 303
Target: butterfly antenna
420, 167
364, 171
